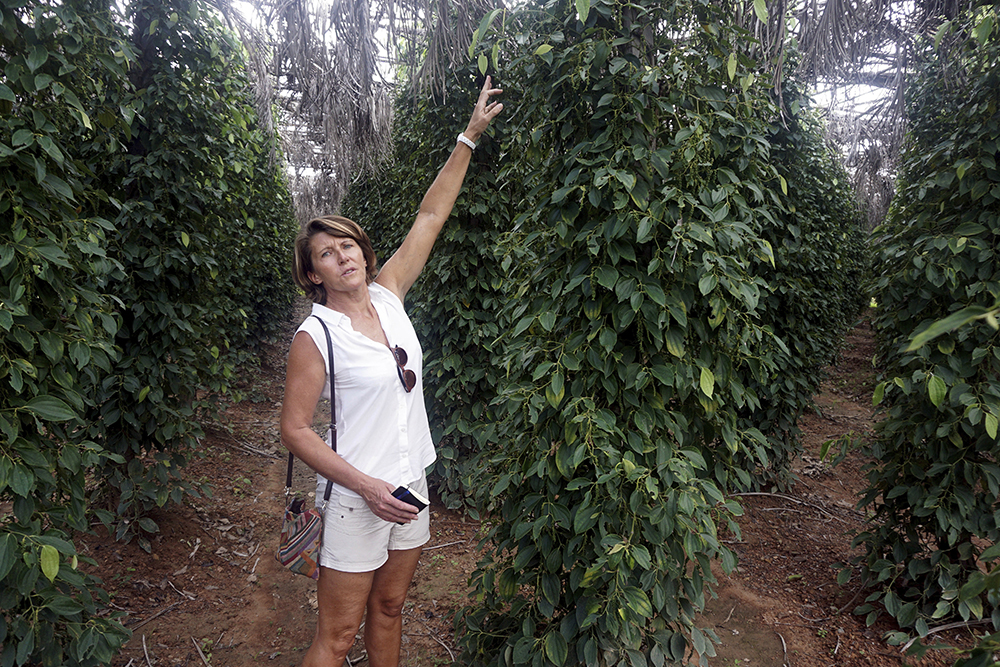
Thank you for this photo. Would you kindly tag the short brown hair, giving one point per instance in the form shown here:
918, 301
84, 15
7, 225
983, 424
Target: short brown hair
334, 225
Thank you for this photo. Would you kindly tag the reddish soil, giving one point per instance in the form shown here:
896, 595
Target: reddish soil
211, 593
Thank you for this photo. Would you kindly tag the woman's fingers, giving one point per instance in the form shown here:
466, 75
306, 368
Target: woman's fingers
485, 110
388, 508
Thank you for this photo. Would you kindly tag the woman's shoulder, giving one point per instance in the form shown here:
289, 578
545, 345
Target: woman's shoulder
384, 295
320, 315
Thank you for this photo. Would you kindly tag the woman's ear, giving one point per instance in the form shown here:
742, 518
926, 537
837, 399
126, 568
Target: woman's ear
316, 279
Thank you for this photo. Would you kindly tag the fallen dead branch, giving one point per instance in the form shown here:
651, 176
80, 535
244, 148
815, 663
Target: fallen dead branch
156, 615
784, 649
242, 445
794, 500
432, 635
944, 628
442, 546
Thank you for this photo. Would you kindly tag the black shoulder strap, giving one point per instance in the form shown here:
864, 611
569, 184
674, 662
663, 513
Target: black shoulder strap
333, 415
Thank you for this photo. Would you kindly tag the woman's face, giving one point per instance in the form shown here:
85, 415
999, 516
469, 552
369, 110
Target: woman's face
338, 263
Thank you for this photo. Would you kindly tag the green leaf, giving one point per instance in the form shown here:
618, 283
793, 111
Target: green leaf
638, 601
760, 9
556, 390
36, 57
583, 9
6, 93
984, 29
936, 389
8, 553
707, 382
941, 32
543, 49
556, 648
59, 185
64, 605
49, 560
487, 21
645, 230
50, 408
607, 276
60, 545
948, 324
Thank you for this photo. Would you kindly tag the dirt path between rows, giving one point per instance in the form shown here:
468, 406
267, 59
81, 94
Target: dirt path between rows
211, 593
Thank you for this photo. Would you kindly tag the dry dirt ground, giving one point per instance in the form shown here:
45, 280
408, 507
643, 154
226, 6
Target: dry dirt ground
211, 592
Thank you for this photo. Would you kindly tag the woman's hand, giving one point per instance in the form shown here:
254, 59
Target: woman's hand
377, 494
484, 111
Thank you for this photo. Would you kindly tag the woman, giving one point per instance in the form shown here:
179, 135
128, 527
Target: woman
371, 540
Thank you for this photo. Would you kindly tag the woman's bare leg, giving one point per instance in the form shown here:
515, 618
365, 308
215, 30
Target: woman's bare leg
342, 597
384, 623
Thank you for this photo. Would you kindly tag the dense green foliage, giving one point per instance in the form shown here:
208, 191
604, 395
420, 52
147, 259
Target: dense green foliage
625, 296
81, 198
193, 181
934, 484
57, 324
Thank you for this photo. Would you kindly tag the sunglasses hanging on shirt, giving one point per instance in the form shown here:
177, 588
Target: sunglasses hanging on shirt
407, 377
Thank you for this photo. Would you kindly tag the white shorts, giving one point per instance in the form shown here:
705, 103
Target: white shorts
355, 540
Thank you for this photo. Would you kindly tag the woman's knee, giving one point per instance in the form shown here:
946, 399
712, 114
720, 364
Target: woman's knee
387, 606
335, 642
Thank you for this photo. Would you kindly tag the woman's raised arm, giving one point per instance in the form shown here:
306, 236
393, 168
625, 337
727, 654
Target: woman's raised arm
401, 271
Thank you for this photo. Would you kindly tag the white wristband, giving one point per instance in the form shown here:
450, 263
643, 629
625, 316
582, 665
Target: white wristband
467, 141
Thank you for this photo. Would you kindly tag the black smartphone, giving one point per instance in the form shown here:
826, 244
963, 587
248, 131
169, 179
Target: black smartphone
408, 495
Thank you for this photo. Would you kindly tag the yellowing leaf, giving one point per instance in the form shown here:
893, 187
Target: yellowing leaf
878, 394
185, 239
556, 390
543, 49
49, 560
707, 382
991, 425
483, 63
760, 9
784, 185
731, 66
475, 41
936, 389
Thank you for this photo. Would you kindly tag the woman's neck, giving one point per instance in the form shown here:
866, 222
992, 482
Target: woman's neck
358, 307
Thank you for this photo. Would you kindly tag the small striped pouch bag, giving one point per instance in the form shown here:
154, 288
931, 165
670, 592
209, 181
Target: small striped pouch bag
301, 535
